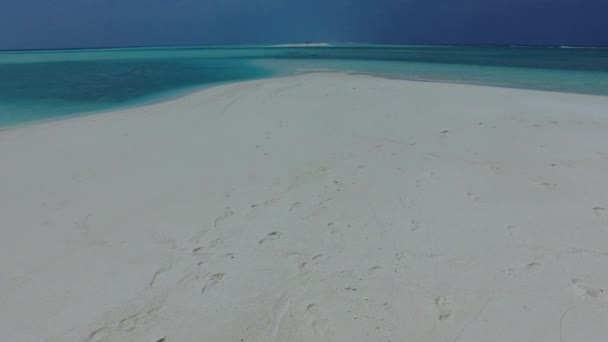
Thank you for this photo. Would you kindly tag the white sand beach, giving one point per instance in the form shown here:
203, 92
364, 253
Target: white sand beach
319, 207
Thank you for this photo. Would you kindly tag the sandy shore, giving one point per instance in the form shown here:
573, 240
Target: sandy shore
320, 207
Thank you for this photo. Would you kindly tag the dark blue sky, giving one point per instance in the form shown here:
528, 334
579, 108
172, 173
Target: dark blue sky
26, 24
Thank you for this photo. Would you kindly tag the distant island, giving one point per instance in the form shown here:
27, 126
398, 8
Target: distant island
309, 44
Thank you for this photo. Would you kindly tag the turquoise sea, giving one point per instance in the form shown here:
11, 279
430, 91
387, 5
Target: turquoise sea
40, 85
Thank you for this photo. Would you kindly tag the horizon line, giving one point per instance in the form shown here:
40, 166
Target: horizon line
304, 45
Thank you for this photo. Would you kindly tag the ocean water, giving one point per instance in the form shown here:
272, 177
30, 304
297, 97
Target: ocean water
42, 85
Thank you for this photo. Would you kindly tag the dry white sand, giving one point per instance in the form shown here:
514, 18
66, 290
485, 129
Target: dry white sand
321, 207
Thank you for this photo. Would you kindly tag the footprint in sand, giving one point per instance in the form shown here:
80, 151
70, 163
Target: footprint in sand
228, 213
314, 261
337, 233
125, 325
444, 310
280, 311
265, 203
339, 185
415, 224
158, 273
583, 290
495, 166
319, 257
533, 267
427, 177
400, 262
375, 269
213, 281
549, 185
132, 322
529, 268
271, 237
99, 335
473, 197
196, 238
319, 324
586, 251
213, 244
295, 205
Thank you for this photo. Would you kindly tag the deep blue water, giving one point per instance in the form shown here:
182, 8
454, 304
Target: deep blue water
38, 85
